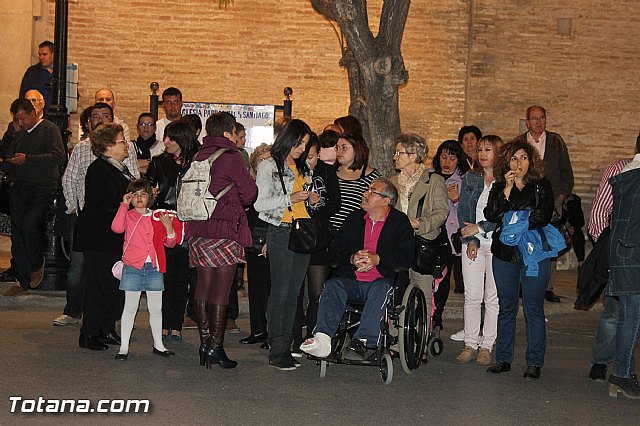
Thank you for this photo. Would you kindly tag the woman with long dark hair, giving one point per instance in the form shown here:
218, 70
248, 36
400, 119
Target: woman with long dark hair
324, 182
279, 207
163, 173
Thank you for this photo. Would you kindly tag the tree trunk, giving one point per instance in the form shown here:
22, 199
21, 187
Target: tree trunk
375, 68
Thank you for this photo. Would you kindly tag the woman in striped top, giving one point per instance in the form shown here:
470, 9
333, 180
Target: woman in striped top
354, 175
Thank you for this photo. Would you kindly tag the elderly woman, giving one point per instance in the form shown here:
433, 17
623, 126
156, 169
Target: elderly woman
450, 164
105, 184
418, 186
519, 185
476, 231
163, 173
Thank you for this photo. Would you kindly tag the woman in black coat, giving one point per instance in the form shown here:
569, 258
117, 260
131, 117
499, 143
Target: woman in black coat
105, 184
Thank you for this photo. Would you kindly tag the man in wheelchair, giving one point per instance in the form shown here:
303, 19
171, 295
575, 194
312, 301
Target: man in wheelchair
371, 243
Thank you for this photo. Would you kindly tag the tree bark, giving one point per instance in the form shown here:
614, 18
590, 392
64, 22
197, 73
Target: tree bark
375, 68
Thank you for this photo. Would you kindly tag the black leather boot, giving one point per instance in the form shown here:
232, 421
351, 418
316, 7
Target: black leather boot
216, 353
202, 319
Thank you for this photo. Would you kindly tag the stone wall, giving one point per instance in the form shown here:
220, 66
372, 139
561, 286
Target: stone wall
469, 61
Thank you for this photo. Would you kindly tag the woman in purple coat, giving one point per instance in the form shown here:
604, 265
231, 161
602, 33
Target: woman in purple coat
216, 245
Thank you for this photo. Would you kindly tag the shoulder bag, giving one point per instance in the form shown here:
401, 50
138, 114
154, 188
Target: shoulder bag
431, 256
308, 235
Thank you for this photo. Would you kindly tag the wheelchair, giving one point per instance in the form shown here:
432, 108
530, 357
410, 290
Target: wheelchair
406, 324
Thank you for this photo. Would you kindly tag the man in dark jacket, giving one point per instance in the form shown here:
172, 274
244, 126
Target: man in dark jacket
38, 76
33, 161
369, 246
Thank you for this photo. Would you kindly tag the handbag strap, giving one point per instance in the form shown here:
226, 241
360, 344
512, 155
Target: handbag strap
421, 201
126, 245
284, 189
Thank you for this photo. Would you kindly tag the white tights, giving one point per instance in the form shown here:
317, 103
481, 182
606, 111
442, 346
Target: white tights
131, 303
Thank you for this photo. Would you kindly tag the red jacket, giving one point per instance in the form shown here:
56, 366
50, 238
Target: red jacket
145, 237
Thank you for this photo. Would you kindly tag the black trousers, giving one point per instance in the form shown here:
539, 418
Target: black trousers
259, 287
29, 208
176, 287
103, 301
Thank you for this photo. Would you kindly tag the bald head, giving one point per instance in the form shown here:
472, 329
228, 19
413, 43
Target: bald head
36, 98
106, 96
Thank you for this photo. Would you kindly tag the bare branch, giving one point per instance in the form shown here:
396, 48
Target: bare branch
353, 19
392, 22
323, 7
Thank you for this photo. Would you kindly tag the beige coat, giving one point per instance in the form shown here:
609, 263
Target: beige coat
435, 208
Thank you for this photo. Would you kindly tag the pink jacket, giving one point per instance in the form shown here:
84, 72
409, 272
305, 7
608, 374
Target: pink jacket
148, 239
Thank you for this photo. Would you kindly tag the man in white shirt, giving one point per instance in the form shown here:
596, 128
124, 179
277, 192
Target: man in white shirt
172, 104
106, 96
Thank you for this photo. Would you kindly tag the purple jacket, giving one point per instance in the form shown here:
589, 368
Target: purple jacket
229, 220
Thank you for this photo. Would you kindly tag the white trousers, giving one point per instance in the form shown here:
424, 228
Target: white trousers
479, 286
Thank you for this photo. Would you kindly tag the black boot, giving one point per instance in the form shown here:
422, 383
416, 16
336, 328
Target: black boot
202, 319
216, 353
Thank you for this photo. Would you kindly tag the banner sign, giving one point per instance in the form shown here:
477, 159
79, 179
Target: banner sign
257, 119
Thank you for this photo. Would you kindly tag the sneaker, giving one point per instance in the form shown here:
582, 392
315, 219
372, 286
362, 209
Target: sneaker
467, 354
63, 320
283, 364
598, 372
458, 337
484, 357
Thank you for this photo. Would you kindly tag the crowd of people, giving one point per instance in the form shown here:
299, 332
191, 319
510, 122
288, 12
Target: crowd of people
122, 197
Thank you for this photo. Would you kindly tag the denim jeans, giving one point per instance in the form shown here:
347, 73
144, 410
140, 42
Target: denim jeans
627, 336
75, 284
333, 302
509, 278
287, 270
604, 345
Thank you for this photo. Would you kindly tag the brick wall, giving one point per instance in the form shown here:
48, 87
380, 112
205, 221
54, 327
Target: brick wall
249, 52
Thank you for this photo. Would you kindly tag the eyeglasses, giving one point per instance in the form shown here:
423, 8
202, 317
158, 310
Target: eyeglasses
122, 141
146, 124
344, 147
373, 191
398, 153
538, 118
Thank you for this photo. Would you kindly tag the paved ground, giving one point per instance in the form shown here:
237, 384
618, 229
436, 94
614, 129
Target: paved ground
41, 360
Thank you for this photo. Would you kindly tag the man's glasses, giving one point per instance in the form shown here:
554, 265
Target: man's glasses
146, 125
373, 191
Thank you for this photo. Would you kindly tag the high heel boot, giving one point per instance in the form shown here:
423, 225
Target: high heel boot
202, 318
216, 353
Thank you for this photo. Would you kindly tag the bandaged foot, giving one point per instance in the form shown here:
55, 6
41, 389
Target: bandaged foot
318, 346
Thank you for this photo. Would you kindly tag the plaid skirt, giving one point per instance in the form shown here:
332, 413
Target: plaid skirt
213, 253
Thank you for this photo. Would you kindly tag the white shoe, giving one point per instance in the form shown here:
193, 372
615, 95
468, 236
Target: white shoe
319, 347
63, 320
458, 337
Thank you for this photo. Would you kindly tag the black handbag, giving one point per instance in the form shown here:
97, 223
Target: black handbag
431, 256
307, 235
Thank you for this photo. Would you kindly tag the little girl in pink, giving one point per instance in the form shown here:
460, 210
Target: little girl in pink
144, 260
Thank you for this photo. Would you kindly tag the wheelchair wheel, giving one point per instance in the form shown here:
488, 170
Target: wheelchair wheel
323, 369
386, 369
412, 335
435, 346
